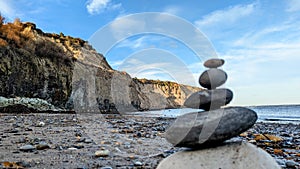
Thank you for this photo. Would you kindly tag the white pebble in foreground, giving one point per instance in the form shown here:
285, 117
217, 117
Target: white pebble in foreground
230, 156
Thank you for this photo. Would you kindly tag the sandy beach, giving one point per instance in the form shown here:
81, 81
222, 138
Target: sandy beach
114, 141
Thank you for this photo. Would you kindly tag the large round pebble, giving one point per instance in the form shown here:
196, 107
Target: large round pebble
209, 128
209, 99
212, 78
230, 156
291, 163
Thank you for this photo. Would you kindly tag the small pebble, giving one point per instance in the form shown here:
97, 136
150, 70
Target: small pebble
21, 140
138, 163
80, 139
40, 124
290, 163
23, 164
102, 153
88, 141
139, 134
280, 162
214, 63
13, 131
72, 148
42, 146
106, 167
11, 121
27, 148
78, 146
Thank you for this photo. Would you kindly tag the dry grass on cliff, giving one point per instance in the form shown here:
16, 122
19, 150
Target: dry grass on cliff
3, 42
26, 38
14, 33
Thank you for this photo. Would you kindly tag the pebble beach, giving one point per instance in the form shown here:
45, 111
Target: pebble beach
116, 141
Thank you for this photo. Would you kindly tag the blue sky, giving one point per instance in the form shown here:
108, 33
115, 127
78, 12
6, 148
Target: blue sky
260, 40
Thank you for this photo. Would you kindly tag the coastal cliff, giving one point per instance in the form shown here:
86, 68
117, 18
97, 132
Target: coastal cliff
66, 73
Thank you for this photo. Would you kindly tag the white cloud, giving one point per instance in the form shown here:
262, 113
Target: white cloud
98, 6
157, 64
226, 16
7, 10
147, 41
252, 38
116, 6
133, 44
260, 64
124, 27
284, 35
262, 56
175, 10
293, 6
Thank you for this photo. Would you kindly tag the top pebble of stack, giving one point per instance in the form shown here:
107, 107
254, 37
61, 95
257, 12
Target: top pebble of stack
214, 63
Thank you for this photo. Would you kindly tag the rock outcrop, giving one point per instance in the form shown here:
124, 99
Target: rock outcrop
68, 73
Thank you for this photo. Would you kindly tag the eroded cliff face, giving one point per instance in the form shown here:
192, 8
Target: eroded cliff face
68, 73
157, 94
113, 91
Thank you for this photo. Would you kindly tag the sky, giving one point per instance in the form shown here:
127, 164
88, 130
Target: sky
170, 39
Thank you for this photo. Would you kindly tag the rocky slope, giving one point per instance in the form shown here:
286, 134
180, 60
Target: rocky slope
69, 74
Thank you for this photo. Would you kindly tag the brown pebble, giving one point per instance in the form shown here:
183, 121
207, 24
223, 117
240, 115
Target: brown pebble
214, 63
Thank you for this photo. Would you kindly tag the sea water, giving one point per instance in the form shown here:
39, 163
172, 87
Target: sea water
278, 113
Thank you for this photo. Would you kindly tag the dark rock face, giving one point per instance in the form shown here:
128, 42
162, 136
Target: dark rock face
26, 75
200, 129
212, 78
209, 99
214, 63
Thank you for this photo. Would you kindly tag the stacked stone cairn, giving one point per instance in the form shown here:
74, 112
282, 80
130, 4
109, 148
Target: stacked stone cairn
210, 79
208, 134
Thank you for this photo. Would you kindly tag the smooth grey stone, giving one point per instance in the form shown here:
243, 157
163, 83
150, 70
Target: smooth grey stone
210, 128
214, 63
27, 148
209, 99
280, 162
72, 148
239, 155
138, 163
212, 78
88, 141
42, 146
102, 153
106, 167
291, 163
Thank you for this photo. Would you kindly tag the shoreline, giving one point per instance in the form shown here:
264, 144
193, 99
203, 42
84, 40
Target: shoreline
124, 141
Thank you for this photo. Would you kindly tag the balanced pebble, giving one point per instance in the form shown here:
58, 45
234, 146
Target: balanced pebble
200, 129
214, 63
209, 99
212, 78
